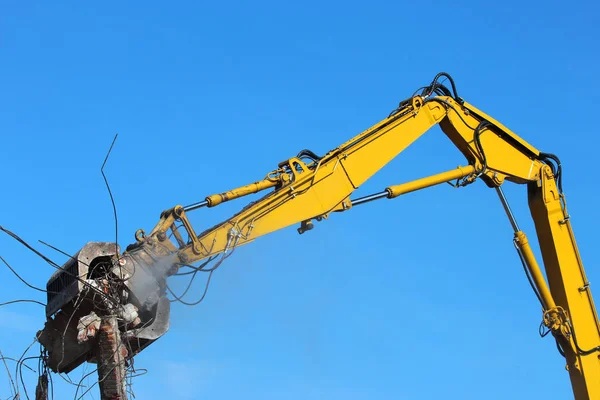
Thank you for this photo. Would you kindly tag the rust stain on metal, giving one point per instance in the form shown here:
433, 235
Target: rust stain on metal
111, 360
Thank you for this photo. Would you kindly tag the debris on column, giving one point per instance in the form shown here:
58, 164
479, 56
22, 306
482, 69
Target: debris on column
87, 327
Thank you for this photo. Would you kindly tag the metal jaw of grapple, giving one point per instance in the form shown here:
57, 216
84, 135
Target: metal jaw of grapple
99, 281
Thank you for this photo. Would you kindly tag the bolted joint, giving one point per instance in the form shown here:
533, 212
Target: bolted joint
196, 248
552, 320
284, 179
161, 236
556, 320
177, 211
547, 171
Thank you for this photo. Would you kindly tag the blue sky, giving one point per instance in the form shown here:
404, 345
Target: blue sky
419, 297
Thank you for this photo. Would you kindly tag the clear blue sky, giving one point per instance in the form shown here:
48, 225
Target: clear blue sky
420, 297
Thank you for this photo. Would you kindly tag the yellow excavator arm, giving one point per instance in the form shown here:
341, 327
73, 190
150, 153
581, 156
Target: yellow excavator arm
308, 187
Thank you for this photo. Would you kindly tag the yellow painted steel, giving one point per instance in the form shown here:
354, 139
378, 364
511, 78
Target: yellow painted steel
535, 271
216, 199
460, 172
507, 156
304, 191
568, 285
318, 190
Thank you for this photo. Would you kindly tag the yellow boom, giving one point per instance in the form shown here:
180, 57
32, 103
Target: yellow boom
308, 187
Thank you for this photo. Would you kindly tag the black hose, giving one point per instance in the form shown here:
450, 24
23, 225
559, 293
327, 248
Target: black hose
579, 349
482, 125
434, 85
556, 169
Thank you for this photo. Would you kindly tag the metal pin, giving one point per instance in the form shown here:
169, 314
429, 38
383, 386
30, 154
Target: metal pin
371, 197
509, 213
195, 206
